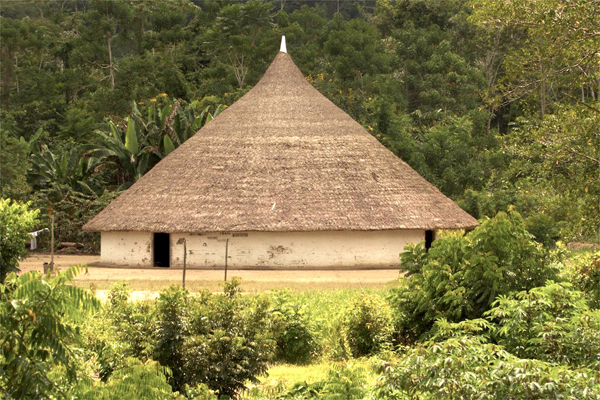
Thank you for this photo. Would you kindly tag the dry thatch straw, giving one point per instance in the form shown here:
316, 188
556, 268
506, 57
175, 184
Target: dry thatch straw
282, 158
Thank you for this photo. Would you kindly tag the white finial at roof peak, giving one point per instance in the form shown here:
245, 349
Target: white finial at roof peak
283, 49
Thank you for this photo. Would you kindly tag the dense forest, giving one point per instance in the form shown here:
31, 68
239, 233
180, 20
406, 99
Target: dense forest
496, 103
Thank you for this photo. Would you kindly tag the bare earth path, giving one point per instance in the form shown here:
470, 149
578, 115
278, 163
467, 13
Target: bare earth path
152, 279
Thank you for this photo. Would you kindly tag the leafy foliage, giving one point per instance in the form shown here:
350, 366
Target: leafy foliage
172, 328
469, 367
294, 330
16, 221
39, 328
222, 341
461, 276
228, 344
343, 381
134, 379
552, 323
131, 322
134, 145
584, 274
368, 325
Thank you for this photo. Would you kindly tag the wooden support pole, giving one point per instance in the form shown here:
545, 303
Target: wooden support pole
226, 251
52, 242
184, 261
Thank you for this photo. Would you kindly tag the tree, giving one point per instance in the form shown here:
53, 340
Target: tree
355, 50
461, 276
555, 51
13, 166
563, 150
238, 37
16, 221
437, 79
135, 144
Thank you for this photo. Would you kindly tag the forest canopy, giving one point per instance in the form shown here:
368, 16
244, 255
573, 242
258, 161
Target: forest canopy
495, 103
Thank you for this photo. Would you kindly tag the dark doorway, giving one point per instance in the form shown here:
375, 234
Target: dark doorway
162, 250
429, 237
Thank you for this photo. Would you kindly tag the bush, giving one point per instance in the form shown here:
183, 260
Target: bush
38, 331
584, 273
368, 325
16, 221
469, 367
551, 323
460, 276
222, 341
172, 328
229, 343
131, 322
133, 380
294, 330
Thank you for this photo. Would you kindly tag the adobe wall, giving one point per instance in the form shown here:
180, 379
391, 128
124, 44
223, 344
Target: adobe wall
294, 249
126, 248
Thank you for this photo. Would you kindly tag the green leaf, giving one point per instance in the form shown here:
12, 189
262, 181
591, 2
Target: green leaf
168, 144
131, 142
113, 129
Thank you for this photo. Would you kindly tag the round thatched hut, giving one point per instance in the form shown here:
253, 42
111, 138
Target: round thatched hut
283, 178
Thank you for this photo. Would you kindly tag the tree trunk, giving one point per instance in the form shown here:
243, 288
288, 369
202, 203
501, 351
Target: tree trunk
17, 72
110, 63
543, 90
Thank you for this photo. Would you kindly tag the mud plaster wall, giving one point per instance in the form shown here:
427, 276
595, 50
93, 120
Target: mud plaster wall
126, 248
294, 249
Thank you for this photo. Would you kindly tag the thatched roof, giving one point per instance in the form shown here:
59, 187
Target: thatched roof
282, 158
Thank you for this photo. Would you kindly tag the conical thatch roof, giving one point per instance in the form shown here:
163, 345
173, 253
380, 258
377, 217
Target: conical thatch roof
282, 158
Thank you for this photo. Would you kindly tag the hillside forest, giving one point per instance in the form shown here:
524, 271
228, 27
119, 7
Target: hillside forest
496, 103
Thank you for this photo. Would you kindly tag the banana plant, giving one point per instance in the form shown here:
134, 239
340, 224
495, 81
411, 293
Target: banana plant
32, 142
61, 173
132, 146
174, 124
124, 150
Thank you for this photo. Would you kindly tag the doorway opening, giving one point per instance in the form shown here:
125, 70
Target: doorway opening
429, 238
162, 250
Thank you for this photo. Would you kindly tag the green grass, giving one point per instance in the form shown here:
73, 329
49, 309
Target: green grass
281, 377
250, 287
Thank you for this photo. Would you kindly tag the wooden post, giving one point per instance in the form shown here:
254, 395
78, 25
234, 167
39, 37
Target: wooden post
226, 250
184, 260
52, 242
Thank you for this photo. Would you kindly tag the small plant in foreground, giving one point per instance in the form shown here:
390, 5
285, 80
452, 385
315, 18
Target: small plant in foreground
368, 325
293, 330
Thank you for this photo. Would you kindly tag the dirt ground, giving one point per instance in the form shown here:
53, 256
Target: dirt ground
252, 280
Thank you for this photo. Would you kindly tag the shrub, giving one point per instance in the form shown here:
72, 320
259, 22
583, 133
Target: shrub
294, 330
133, 380
228, 343
132, 322
584, 273
16, 221
344, 382
38, 330
171, 330
460, 276
551, 323
469, 367
368, 325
